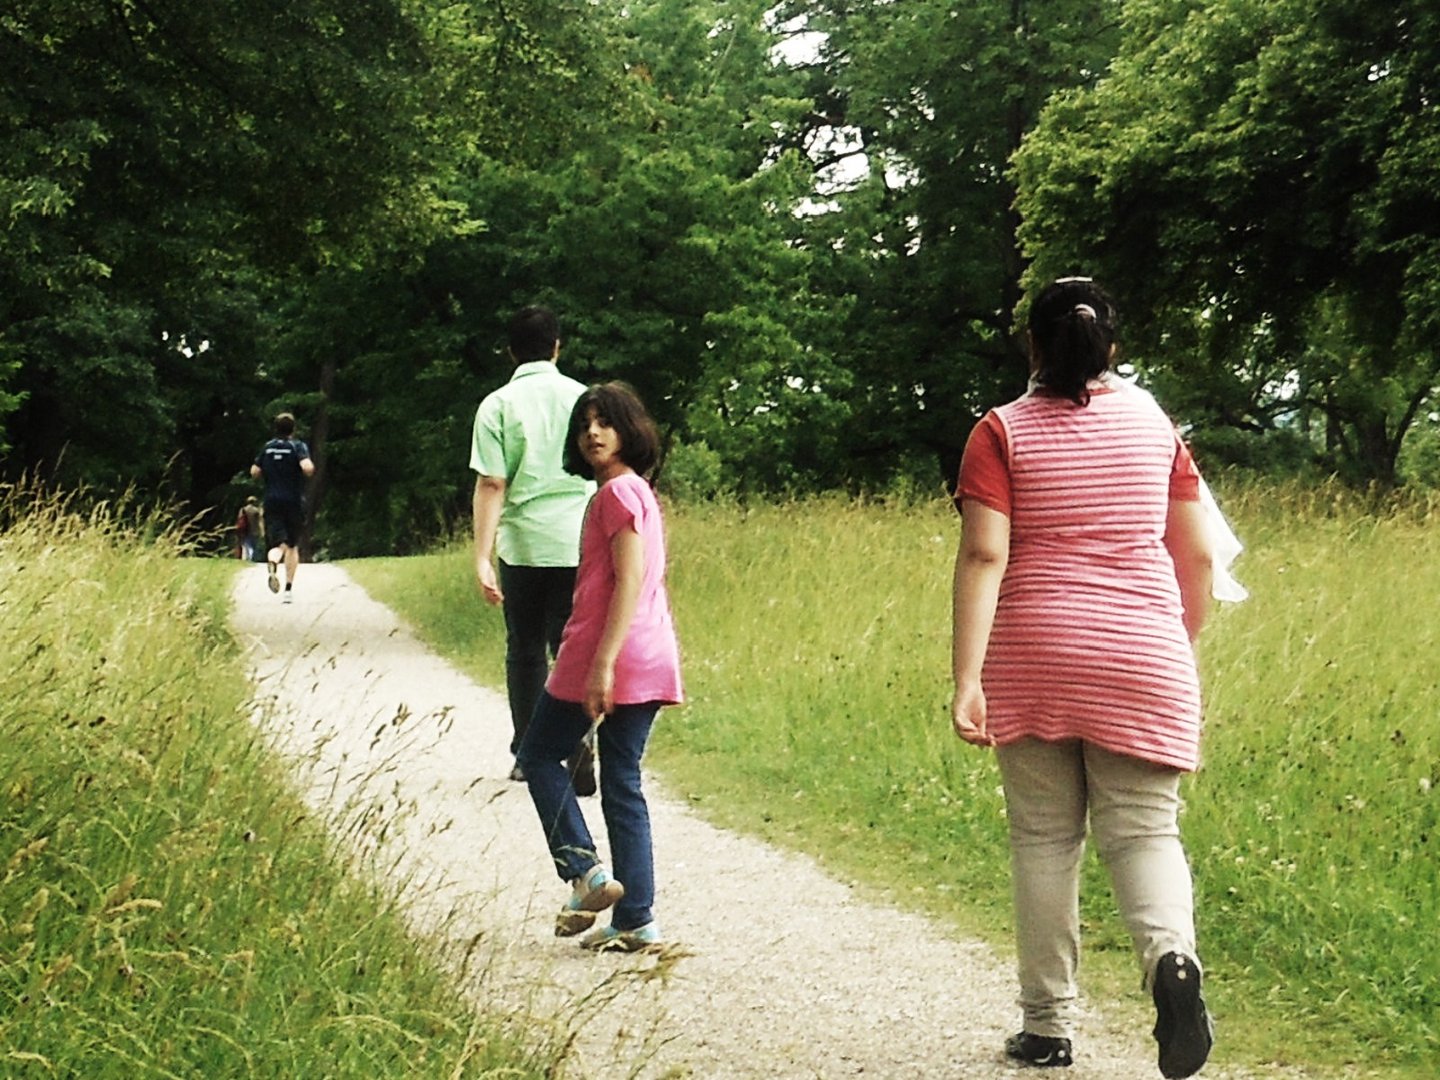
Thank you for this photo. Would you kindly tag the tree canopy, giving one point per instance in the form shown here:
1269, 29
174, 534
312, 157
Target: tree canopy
801, 230
166, 167
1257, 179
935, 98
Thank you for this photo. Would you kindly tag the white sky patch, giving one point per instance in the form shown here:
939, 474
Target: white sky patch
797, 47
1285, 388
838, 150
184, 348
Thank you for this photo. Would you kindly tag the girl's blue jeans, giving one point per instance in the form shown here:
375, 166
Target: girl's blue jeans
549, 739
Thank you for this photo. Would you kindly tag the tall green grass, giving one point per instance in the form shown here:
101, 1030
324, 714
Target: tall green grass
1314, 824
167, 907
815, 638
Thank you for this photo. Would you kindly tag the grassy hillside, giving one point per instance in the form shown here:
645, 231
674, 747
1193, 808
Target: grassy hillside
166, 906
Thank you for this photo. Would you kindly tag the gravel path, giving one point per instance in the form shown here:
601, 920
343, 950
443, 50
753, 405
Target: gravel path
774, 970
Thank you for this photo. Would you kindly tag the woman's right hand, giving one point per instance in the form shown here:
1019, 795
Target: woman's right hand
599, 697
489, 582
967, 714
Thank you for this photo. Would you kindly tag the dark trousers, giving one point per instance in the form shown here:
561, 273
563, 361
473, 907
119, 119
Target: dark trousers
537, 603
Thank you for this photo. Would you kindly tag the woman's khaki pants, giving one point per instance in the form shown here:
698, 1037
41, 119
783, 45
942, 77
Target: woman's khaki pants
1133, 807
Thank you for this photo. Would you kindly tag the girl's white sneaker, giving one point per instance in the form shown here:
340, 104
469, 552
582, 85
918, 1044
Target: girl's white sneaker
596, 891
608, 939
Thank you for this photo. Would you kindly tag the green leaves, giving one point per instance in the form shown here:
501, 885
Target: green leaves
1233, 178
811, 267
153, 154
938, 96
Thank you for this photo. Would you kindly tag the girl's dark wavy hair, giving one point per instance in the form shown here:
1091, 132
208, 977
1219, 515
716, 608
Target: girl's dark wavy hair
1072, 327
619, 406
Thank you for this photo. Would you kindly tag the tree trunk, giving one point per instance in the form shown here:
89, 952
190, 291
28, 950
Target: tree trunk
1374, 450
319, 443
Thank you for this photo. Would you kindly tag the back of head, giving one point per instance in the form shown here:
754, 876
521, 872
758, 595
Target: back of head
284, 426
1072, 335
621, 408
534, 333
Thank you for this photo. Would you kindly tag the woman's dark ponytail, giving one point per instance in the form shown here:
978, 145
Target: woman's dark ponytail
1072, 328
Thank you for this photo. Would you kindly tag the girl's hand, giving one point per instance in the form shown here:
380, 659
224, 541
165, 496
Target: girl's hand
599, 692
967, 714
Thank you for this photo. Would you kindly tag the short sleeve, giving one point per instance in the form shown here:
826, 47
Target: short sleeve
985, 468
487, 441
619, 505
1184, 475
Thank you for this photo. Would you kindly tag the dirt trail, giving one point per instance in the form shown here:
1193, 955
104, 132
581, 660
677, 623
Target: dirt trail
776, 970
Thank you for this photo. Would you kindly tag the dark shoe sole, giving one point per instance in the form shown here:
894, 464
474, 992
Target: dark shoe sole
1182, 1023
1041, 1051
572, 921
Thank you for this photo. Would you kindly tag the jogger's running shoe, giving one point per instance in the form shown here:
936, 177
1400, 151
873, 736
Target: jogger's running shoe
608, 939
594, 892
1182, 1023
1042, 1051
274, 576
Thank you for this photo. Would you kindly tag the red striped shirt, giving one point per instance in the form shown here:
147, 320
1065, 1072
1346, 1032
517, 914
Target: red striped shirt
1088, 641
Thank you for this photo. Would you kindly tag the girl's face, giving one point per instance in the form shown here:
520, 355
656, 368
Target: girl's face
599, 445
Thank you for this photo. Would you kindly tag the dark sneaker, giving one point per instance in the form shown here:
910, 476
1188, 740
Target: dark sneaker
1042, 1051
1182, 1024
274, 580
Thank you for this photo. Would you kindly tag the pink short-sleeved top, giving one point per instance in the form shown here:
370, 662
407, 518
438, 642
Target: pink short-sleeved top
648, 667
1088, 640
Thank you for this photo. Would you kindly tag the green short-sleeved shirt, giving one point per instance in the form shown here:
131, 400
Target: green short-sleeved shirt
519, 436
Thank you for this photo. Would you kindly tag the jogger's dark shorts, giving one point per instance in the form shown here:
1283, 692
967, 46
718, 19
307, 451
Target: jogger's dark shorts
284, 521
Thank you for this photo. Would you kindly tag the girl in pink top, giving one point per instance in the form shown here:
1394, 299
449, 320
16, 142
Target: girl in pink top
618, 663
1081, 583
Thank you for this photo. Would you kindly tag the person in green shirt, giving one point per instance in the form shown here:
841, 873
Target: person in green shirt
528, 511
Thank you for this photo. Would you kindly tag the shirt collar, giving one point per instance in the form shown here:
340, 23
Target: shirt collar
533, 367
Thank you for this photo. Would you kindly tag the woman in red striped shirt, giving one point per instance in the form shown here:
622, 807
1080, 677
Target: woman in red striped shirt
1082, 581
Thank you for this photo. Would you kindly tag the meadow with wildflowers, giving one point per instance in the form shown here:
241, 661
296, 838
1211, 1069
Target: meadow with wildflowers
816, 646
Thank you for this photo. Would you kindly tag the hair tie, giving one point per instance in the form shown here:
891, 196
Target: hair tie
1083, 309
